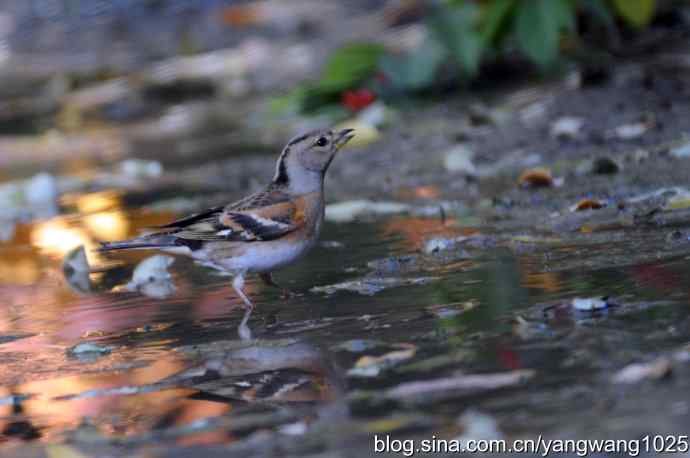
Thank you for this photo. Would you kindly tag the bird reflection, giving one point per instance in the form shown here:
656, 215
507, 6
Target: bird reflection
260, 369
19, 428
243, 330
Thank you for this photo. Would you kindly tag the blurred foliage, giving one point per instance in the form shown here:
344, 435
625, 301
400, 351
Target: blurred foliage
461, 34
349, 66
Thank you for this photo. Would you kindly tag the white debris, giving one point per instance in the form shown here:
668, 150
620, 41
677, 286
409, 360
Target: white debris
88, 348
438, 244
7, 230
35, 197
348, 211
681, 151
152, 268
375, 114
137, 168
368, 286
589, 304
674, 198
41, 190
151, 277
294, 429
567, 127
631, 131
637, 372
478, 426
459, 159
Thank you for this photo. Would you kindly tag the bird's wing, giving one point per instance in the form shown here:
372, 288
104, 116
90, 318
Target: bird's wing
266, 215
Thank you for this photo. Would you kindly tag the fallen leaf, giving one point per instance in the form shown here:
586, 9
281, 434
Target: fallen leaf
587, 204
539, 177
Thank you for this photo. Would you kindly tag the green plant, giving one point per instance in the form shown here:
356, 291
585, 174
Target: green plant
463, 33
468, 31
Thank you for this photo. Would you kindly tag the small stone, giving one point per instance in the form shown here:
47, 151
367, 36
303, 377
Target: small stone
89, 348
438, 244
459, 159
151, 269
681, 151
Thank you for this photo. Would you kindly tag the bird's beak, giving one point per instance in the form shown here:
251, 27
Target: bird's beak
343, 137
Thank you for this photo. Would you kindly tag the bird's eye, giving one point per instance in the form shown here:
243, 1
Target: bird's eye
322, 141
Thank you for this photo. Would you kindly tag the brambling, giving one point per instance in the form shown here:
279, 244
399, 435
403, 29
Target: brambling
264, 231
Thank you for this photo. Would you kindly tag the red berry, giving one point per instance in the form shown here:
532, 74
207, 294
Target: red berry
358, 99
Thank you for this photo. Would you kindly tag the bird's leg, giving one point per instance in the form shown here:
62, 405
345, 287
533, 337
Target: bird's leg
238, 284
267, 278
243, 329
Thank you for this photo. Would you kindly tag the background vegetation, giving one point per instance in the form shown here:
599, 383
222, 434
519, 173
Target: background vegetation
464, 35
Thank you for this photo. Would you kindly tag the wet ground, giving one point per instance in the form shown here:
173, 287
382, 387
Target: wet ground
457, 291
403, 343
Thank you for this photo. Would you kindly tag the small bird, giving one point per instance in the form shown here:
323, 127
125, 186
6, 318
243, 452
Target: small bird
264, 231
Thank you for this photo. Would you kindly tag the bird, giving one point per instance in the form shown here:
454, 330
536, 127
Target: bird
264, 231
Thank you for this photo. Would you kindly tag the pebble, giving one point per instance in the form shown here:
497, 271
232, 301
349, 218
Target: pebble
459, 159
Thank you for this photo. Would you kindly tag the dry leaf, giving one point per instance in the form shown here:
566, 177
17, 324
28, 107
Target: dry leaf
587, 204
539, 177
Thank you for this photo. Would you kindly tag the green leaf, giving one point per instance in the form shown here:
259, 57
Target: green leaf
495, 15
349, 65
417, 69
538, 27
637, 13
599, 11
290, 103
455, 28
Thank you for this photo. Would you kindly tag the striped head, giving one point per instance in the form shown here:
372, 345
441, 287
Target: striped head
305, 159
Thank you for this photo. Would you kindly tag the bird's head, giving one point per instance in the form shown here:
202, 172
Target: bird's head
307, 157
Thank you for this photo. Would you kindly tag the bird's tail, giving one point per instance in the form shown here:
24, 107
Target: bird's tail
147, 241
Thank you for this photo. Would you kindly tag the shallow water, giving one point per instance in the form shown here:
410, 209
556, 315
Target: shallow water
177, 372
